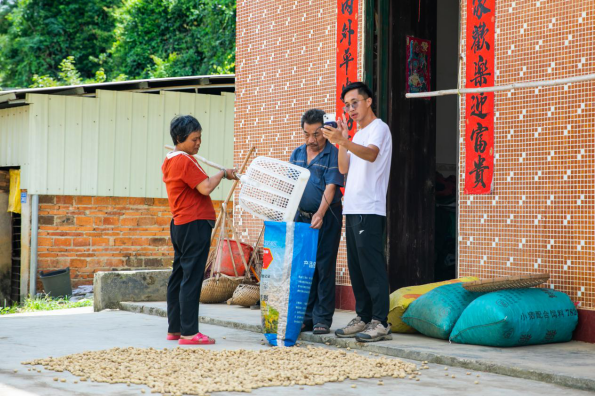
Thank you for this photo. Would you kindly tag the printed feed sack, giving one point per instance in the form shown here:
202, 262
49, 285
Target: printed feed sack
517, 317
436, 313
402, 298
289, 261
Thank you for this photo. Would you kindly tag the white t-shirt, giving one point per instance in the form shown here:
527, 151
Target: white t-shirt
367, 183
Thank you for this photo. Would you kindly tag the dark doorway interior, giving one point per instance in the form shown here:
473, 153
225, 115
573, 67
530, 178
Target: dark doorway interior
15, 274
421, 230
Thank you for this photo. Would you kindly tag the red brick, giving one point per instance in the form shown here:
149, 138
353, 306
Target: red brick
140, 242
129, 221
98, 221
161, 202
163, 221
110, 220
100, 241
137, 200
122, 241
78, 263
102, 200
120, 200
45, 199
158, 242
64, 200
44, 241
146, 221
83, 200
81, 242
84, 221
62, 242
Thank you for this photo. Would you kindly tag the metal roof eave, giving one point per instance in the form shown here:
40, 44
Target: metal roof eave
222, 81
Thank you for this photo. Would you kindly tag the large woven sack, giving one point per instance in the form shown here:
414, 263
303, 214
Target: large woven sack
245, 295
219, 288
289, 261
402, 298
436, 313
517, 317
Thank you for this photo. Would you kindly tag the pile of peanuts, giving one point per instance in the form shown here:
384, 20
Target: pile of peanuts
199, 371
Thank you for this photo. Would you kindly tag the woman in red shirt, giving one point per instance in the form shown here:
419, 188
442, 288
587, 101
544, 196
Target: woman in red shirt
188, 188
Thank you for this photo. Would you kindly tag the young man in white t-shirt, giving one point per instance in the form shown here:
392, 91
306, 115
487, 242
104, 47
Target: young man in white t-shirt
366, 161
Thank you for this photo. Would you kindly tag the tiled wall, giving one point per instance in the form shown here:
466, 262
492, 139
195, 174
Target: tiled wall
285, 64
540, 217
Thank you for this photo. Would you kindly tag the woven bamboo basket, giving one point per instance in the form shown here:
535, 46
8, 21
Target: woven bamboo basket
219, 288
245, 295
509, 282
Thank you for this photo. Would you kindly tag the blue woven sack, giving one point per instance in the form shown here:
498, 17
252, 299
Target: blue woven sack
436, 312
517, 317
289, 261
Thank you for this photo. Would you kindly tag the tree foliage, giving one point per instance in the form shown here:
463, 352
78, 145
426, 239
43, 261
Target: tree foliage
47, 43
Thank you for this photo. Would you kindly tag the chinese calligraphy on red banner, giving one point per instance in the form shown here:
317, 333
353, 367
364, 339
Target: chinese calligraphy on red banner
479, 108
347, 22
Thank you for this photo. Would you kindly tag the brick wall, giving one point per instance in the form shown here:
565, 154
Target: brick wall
285, 65
4, 181
90, 234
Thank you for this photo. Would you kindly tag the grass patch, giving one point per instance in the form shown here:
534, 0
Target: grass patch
44, 303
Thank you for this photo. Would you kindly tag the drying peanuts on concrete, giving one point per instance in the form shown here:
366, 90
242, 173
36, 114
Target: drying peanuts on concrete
199, 371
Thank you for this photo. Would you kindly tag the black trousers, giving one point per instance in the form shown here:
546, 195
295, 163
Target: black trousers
367, 265
191, 243
321, 302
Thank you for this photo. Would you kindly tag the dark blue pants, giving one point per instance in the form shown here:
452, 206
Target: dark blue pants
367, 265
191, 243
321, 302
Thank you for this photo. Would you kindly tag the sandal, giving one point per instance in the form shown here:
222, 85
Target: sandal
173, 337
199, 339
321, 328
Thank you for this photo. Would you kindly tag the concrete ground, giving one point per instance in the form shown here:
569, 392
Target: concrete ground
40, 335
569, 364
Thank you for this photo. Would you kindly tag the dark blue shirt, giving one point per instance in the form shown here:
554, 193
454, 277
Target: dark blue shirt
324, 170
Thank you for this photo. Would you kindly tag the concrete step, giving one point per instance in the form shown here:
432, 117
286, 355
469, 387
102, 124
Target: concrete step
569, 364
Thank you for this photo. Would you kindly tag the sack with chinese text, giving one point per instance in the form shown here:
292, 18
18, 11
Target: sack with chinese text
517, 317
403, 297
436, 313
289, 261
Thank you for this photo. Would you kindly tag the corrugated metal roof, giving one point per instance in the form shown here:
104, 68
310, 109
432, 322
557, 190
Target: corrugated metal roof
211, 84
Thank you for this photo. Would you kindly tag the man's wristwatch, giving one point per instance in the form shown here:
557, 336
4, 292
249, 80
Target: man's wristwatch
224, 173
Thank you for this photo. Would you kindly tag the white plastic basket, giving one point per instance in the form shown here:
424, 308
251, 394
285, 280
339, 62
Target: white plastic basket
272, 189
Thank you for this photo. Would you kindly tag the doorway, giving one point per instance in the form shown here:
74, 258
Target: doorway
421, 204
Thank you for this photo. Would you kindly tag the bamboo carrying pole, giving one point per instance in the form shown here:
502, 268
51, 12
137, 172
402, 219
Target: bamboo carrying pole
531, 84
232, 189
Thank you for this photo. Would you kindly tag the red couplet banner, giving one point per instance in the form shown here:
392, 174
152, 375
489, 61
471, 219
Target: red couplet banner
347, 23
480, 72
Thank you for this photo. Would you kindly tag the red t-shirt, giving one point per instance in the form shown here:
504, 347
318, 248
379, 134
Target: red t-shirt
182, 174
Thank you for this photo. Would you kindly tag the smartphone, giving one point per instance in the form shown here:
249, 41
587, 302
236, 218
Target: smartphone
329, 119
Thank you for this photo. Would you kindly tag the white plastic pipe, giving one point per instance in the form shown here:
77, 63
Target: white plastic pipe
531, 84
200, 158
33, 258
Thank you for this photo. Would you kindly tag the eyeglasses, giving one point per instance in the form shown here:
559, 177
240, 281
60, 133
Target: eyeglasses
353, 105
315, 134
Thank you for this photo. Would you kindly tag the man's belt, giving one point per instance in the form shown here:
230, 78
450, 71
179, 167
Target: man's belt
309, 215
